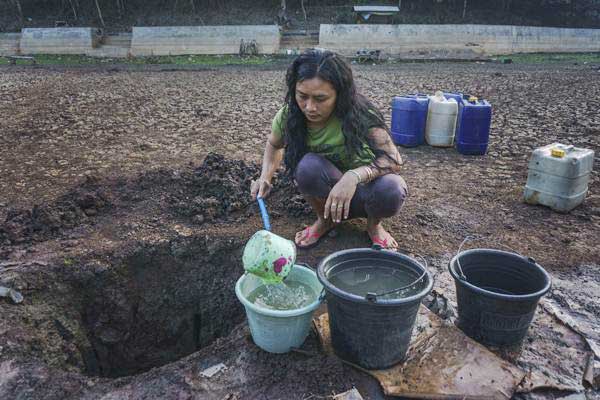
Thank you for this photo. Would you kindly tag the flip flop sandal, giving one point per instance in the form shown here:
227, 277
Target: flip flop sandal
382, 243
310, 235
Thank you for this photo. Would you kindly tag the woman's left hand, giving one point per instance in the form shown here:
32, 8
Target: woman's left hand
338, 201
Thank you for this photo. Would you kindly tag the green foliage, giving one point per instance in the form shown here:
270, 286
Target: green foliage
47, 59
543, 58
120, 15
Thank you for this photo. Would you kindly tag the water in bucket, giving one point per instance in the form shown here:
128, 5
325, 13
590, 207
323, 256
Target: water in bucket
375, 279
279, 330
290, 295
372, 331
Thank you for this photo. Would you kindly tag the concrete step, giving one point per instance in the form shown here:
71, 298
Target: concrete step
300, 32
123, 40
109, 51
298, 40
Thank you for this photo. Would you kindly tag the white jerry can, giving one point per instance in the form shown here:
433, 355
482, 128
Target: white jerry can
441, 121
558, 176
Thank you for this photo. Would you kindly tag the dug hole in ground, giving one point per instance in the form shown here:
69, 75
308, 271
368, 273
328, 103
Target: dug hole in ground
124, 235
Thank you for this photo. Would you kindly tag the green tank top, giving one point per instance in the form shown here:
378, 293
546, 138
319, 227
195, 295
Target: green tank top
328, 141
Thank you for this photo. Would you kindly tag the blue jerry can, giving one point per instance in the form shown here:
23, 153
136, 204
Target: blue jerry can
409, 115
473, 126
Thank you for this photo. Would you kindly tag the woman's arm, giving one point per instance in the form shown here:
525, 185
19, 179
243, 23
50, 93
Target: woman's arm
271, 160
343, 191
389, 162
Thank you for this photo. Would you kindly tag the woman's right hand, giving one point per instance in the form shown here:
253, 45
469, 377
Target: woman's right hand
260, 187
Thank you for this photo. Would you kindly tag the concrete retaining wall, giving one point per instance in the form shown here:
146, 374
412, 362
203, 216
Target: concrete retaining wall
177, 40
456, 40
58, 40
9, 44
415, 41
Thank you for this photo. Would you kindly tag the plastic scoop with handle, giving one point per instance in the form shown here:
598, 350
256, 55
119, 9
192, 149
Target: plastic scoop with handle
268, 255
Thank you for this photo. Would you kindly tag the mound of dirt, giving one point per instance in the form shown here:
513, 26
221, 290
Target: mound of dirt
43, 220
220, 187
211, 192
216, 189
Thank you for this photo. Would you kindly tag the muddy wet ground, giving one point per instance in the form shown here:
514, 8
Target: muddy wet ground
124, 209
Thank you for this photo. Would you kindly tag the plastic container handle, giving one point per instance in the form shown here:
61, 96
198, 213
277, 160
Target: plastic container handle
372, 297
263, 213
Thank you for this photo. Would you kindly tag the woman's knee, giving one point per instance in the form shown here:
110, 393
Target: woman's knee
309, 175
388, 196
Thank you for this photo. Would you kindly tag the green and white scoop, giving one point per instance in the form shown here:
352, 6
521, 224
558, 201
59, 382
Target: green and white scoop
269, 256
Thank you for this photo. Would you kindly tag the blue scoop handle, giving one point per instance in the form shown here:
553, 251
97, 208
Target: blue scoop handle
263, 213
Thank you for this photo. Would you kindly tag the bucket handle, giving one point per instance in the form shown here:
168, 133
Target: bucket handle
467, 239
322, 295
372, 297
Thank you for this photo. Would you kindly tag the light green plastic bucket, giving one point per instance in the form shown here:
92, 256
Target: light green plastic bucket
273, 330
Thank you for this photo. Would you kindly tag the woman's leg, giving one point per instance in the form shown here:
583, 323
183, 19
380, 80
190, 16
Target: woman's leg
383, 198
379, 199
315, 176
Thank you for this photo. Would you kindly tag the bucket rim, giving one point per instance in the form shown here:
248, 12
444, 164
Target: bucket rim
329, 287
488, 293
277, 313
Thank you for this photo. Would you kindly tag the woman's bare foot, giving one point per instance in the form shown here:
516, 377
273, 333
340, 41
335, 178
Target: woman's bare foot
380, 236
311, 235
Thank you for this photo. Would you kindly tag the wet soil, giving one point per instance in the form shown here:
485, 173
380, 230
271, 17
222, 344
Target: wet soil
124, 208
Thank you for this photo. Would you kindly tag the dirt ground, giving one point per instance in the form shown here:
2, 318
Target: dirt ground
124, 208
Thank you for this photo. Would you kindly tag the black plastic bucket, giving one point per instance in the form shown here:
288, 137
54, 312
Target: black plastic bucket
371, 331
497, 295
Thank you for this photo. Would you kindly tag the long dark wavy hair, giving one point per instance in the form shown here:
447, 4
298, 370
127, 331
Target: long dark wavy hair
355, 112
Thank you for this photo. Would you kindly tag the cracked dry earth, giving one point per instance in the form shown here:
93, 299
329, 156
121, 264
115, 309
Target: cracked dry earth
124, 209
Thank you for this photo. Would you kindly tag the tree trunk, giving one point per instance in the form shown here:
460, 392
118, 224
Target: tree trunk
464, 9
74, 9
282, 15
100, 13
399, 4
193, 6
304, 12
19, 10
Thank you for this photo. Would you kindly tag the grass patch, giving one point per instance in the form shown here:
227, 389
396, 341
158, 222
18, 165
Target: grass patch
543, 58
48, 59
202, 60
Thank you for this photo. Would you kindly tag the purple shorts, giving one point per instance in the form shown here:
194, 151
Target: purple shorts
381, 198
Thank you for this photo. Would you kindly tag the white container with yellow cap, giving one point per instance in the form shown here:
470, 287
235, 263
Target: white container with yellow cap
558, 176
441, 121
